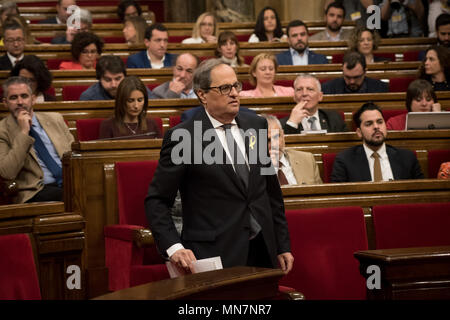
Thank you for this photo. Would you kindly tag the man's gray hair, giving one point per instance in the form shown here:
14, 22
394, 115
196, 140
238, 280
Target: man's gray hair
202, 75
308, 76
15, 80
272, 119
86, 17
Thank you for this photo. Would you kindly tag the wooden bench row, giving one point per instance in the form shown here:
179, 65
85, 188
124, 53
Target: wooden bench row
167, 108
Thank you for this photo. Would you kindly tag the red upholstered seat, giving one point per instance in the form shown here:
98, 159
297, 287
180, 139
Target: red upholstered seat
243, 37
178, 39
73, 93
18, 275
323, 242
392, 113
174, 120
411, 56
113, 39
248, 59
128, 264
88, 129
400, 84
435, 159
53, 64
411, 225
328, 161
285, 83
281, 115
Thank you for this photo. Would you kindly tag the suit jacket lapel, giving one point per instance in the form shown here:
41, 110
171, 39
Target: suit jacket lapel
362, 165
228, 168
396, 166
323, 120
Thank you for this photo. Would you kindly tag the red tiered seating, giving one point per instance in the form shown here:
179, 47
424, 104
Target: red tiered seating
73, 93
411, 225
18, 275
400, 84
128, 264
435, 159
323, 242
88, 129
392, 113
174, 120
328, 161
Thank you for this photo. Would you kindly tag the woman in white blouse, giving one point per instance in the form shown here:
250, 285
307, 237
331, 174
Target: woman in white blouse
228, 49
205, 29
268, 27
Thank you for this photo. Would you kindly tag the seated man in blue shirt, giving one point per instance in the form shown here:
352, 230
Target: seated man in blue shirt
180, 87
110, 72
156, 56
354, 79
299, 53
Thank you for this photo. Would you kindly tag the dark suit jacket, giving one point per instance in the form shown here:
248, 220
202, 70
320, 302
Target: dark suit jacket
330, 120
216, 206
140, 60
5, 63
191, 112
351, 165
285, 58
337, 86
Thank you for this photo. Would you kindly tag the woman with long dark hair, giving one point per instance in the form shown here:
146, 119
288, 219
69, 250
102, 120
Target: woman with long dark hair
130, 113
435, 68
268, 27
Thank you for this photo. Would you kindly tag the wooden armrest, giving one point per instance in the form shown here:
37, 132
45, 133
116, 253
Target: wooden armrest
143, 238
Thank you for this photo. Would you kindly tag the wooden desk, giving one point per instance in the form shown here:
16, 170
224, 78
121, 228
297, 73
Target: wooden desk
237, 283
58, 238
409, 273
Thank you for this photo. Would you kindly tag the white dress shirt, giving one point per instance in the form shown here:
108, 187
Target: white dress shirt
156, 65
297, 59
386, 170
287, 170
13, 59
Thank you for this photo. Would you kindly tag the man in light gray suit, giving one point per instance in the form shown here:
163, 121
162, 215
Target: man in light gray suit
181, 84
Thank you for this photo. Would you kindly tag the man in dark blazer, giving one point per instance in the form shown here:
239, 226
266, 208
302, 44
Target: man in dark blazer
14, 42
354, 79
155, 57
299, 53
62, 14
231, 208
374, 160
306, 115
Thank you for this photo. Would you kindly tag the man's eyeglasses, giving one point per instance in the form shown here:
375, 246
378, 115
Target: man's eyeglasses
94, 51
225, 89
10, 41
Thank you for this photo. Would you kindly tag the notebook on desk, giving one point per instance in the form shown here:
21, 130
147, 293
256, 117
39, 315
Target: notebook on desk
427, 120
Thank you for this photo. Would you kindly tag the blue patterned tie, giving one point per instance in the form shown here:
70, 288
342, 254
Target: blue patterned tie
45, 156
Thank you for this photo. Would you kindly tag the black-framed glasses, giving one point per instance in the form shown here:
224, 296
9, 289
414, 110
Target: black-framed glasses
225, 89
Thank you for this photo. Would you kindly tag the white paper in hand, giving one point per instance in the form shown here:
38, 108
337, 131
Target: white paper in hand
208, 264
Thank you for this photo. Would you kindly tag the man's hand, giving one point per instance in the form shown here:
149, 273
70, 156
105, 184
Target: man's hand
211, 39
24, 121
436, 107
298, 112
176, 85
183, 259
70, 33
286, 261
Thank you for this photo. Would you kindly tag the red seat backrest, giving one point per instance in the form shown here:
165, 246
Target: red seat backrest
328, 161
400, 84
285, 83
53, 64
243, 37
159, 122
73, 93
113, 39
323, 242
88, 129
411, 56
281, 115
133, 179
392, 113
177, 39
248, 59
18, 275
435, 159
411, 225
174, 120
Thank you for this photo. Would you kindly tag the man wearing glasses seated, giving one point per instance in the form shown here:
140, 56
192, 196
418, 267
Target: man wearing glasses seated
354, 79
14, 41
232, 204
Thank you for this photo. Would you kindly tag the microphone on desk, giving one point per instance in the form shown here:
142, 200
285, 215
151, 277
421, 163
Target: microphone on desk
128, 137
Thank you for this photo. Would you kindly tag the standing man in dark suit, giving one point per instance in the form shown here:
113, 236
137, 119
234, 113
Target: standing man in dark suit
306, 115
374, 160
354, 79
14, 40
61, 12
156, 56
299, 53
232, 205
